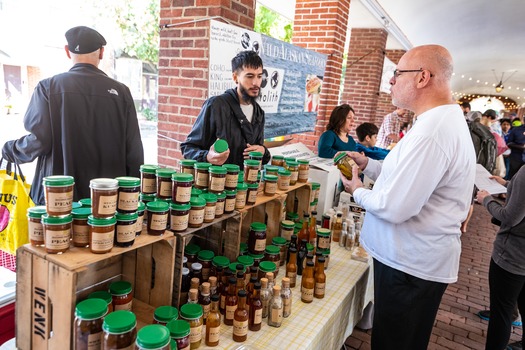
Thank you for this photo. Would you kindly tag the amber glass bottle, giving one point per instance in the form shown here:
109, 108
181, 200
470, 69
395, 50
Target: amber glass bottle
303, 233
293, 244
291, 267
312, 234
213, 322
205, 300
301, 257
239, 285
231, 302
240, 320
255, 313
337, 227
250, 291
308, 283
320, 279
224, 291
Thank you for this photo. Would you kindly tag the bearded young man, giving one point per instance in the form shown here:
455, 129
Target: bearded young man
234, 116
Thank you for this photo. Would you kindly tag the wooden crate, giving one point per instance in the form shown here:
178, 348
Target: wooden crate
50, 285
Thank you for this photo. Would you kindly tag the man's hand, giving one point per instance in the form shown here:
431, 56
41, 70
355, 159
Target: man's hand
217, 158
255, 148
355, 183
359, 158
499, 179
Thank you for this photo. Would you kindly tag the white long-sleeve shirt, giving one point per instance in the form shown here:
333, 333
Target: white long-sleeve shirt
422, 193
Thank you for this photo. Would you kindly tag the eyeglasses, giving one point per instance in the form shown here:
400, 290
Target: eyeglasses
398, 72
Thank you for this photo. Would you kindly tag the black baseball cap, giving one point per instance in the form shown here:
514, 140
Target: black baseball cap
81, 40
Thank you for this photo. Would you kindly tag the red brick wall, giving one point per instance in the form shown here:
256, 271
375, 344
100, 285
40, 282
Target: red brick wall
183, 65
322, 26
384, 102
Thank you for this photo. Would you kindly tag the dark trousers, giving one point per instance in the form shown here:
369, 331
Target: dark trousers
506, 289
405, 308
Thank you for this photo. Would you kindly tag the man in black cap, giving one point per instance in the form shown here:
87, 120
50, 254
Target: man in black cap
81, 123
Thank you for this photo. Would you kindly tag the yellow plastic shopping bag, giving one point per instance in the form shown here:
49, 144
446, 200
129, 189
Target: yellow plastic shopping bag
14, 202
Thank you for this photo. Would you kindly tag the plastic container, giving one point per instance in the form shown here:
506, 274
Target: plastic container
36, 230
164, 183
101, 234
57, 232
59, 194
148, 179
120, 330
104, 194
80, 232
128, 194
158, 212
125, 229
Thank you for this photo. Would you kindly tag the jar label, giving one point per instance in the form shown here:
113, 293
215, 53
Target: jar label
286, 233
229, 205
303, 175
323, 242
307, 294
107, 205
149, 185
205, 310
257, 318
276, 315
94, 341
102, 241
139, 223
125, 233
59, 202
283, 183
158, 222
251, 175
165, 189
202, 179
287, 306
183, 194
260, 245
188, 170
179, 223
219, 208
196, 216
126, 306
320, 288
81, 234
270, 187
214, 334
217, 183
231, 181
240, 328
36, 231
196, 334
57, 240
252, 196
128, 201
292, 275
295, 175
240, 200
230, 311
209, 213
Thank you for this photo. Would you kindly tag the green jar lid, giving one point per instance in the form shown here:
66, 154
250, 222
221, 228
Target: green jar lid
120, 288
233, 267
251, 162
120, 321
253, 186
197, 201
232, 168
246, 260
153, 336
240, 177
288, 223
188, 162
85, 202
324, 251
147, 197
277, 157
36, 212
178, 328
270, 177
141, 207
303, 161
293, 216
271, 168
221, 195
289, 159
192, 249
165, 172
205, 255
315, 185
91, 309
267, 266
93, 221
241, 186
258, 226
81, 213
75, 205
209, 197
255, 154
284, 172
166, 313
298, 226
58, 180
102, 294
325, 232
314, 202
339, 157
231, 192
191, 311
57, 220
243, 247
278, 241
173, 344
182, 177
220, 260
219, 170
128, 181
127, 217
148, 168
196, 191
309, 247
272, 249
180, 207
220, 146
256, 256
202, 165
292, 163
157, 206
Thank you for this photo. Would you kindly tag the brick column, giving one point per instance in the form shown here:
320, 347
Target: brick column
363, 71
384, 102
321, 26
183, 65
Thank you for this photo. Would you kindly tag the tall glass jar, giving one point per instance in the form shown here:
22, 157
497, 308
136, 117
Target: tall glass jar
57, 232
304, 169
240, 198
293, 168
283, 179
125, 229
251, 169
181, 188
87, 331
196, 218
59, 194
257, 238
193, 313
157, 217
104, 194
202, 175
120, 330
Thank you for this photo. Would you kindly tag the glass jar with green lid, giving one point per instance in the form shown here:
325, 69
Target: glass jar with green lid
344, 163
217, 179
251, 193
202, 175
220, 146
258, 156
292, 216
164, 314
190, 251
323, 238
85, 202
196, 218
57, 232
101, 234
278, 160
180, 214
260, 181
243, 248
267, 266
157, 217
195, 192
273, 253
232, 176
87, 331
271, 169
140, 218
280, 242
240, 198
148, 178
164, 184
304, 170
314, 194
121, 293
270, 184
58, 194
36, 230
289, 159
251, 169
240, 177
104, 195
257, 238
221, 201
287, 229
104, 295
283, 179
120, 330
187, 166
125, 229
293, 168
219, 261
181, 188
247, 261
257, 258
180, 332
153, 337
209, 209
229, 202
128, 194
192, 313
205, 257
80, 228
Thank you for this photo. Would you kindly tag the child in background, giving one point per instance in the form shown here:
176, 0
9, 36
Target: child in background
367, 136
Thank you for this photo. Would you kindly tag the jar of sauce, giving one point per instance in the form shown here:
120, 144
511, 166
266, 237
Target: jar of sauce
257, 258
157, 217
180, 214
57, 232
180, 332
192, 313
125, 230
202, 174
270, 185
265, 267
164, 184
257, 238
304, 169
219, 261
287, 229
280, 242
36, 230
128, 194
251, 194
59, 194
120, 330
258, 156
209, 209
219, 208
101, 234
273, 253
271, 169
104, 193
88, 323
344, 163
164, 314
217, 179
181, 183
247, 262
153, 337
121, 292
198, 206
229, 203
148, 179
85, 202
190, 252
240, 198
80, 232
205, 257
104, 295
283, 179
278, 160
140, 218
251, 169
232, 175
187, 166
293, 168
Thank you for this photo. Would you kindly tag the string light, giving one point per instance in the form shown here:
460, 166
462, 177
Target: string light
458, 95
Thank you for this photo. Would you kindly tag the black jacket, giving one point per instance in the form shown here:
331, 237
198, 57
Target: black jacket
83, 124
221, 117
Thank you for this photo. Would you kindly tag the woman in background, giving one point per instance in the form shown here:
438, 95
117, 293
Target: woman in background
336, 138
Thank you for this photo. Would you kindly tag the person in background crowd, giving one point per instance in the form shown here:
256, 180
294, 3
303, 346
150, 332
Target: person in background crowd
81, 123
507, 264
404, 129
465, 107
422, 193
494, 126
505, 129
389, 131
234, 116
367, 134
488, 119
516, 143
336, 138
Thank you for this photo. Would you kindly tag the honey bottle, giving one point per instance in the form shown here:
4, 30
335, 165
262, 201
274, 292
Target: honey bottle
213, 322
291, 267
286, 295
275, 309
266, 296
320, 279
240, 319
231, 302
308, 283
256, 308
